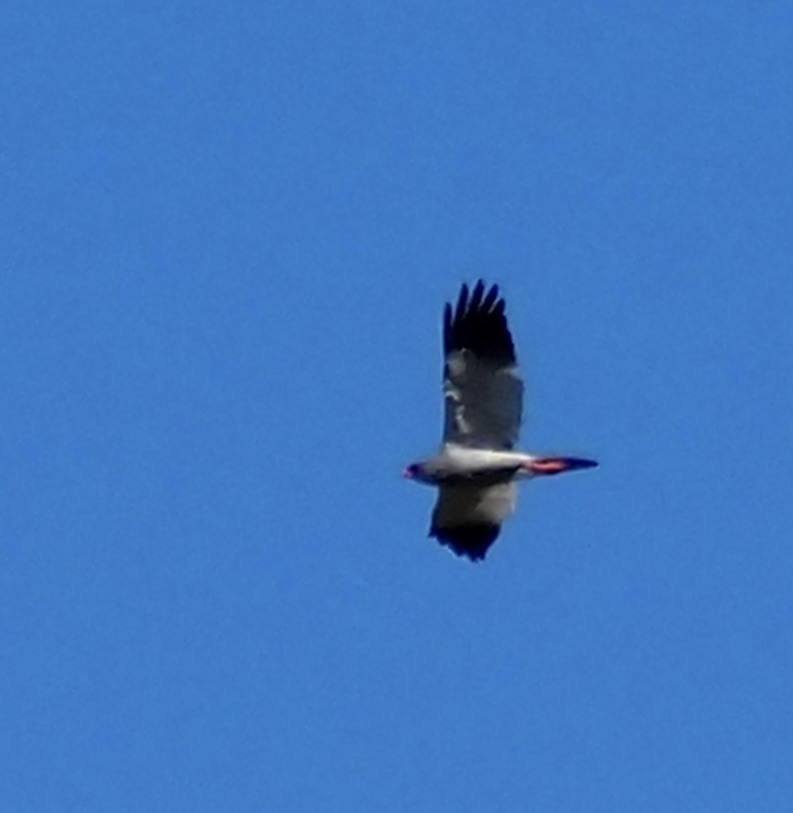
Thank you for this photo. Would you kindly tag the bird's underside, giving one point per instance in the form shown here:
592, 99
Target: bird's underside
483, 400
476, 468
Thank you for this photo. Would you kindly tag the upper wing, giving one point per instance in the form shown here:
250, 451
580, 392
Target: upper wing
467, 518
483, 392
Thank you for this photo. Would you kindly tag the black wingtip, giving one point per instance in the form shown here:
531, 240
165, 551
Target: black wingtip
471, 541
478, 323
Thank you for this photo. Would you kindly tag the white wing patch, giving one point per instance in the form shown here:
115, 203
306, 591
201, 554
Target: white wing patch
483, 402
465, 504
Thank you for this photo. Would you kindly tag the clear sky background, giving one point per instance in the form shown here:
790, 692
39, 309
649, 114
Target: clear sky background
228, 232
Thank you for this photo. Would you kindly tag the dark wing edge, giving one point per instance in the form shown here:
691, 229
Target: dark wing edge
478, 323
472, 540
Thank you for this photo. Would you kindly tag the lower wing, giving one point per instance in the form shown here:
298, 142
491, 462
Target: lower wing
467, 518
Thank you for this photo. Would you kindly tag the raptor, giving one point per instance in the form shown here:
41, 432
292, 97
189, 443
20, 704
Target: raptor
477, 467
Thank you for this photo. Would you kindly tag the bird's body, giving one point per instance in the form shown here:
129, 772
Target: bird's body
476, 467
454, 463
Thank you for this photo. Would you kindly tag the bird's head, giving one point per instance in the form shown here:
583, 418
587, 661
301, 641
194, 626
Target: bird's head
417, 472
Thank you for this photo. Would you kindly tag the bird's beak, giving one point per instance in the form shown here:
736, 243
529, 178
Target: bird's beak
556, 465
406, 472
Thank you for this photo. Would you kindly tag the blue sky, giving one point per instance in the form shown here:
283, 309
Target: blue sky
229, 232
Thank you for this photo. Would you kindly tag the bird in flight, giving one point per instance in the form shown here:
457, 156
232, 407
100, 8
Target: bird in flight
476, 467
